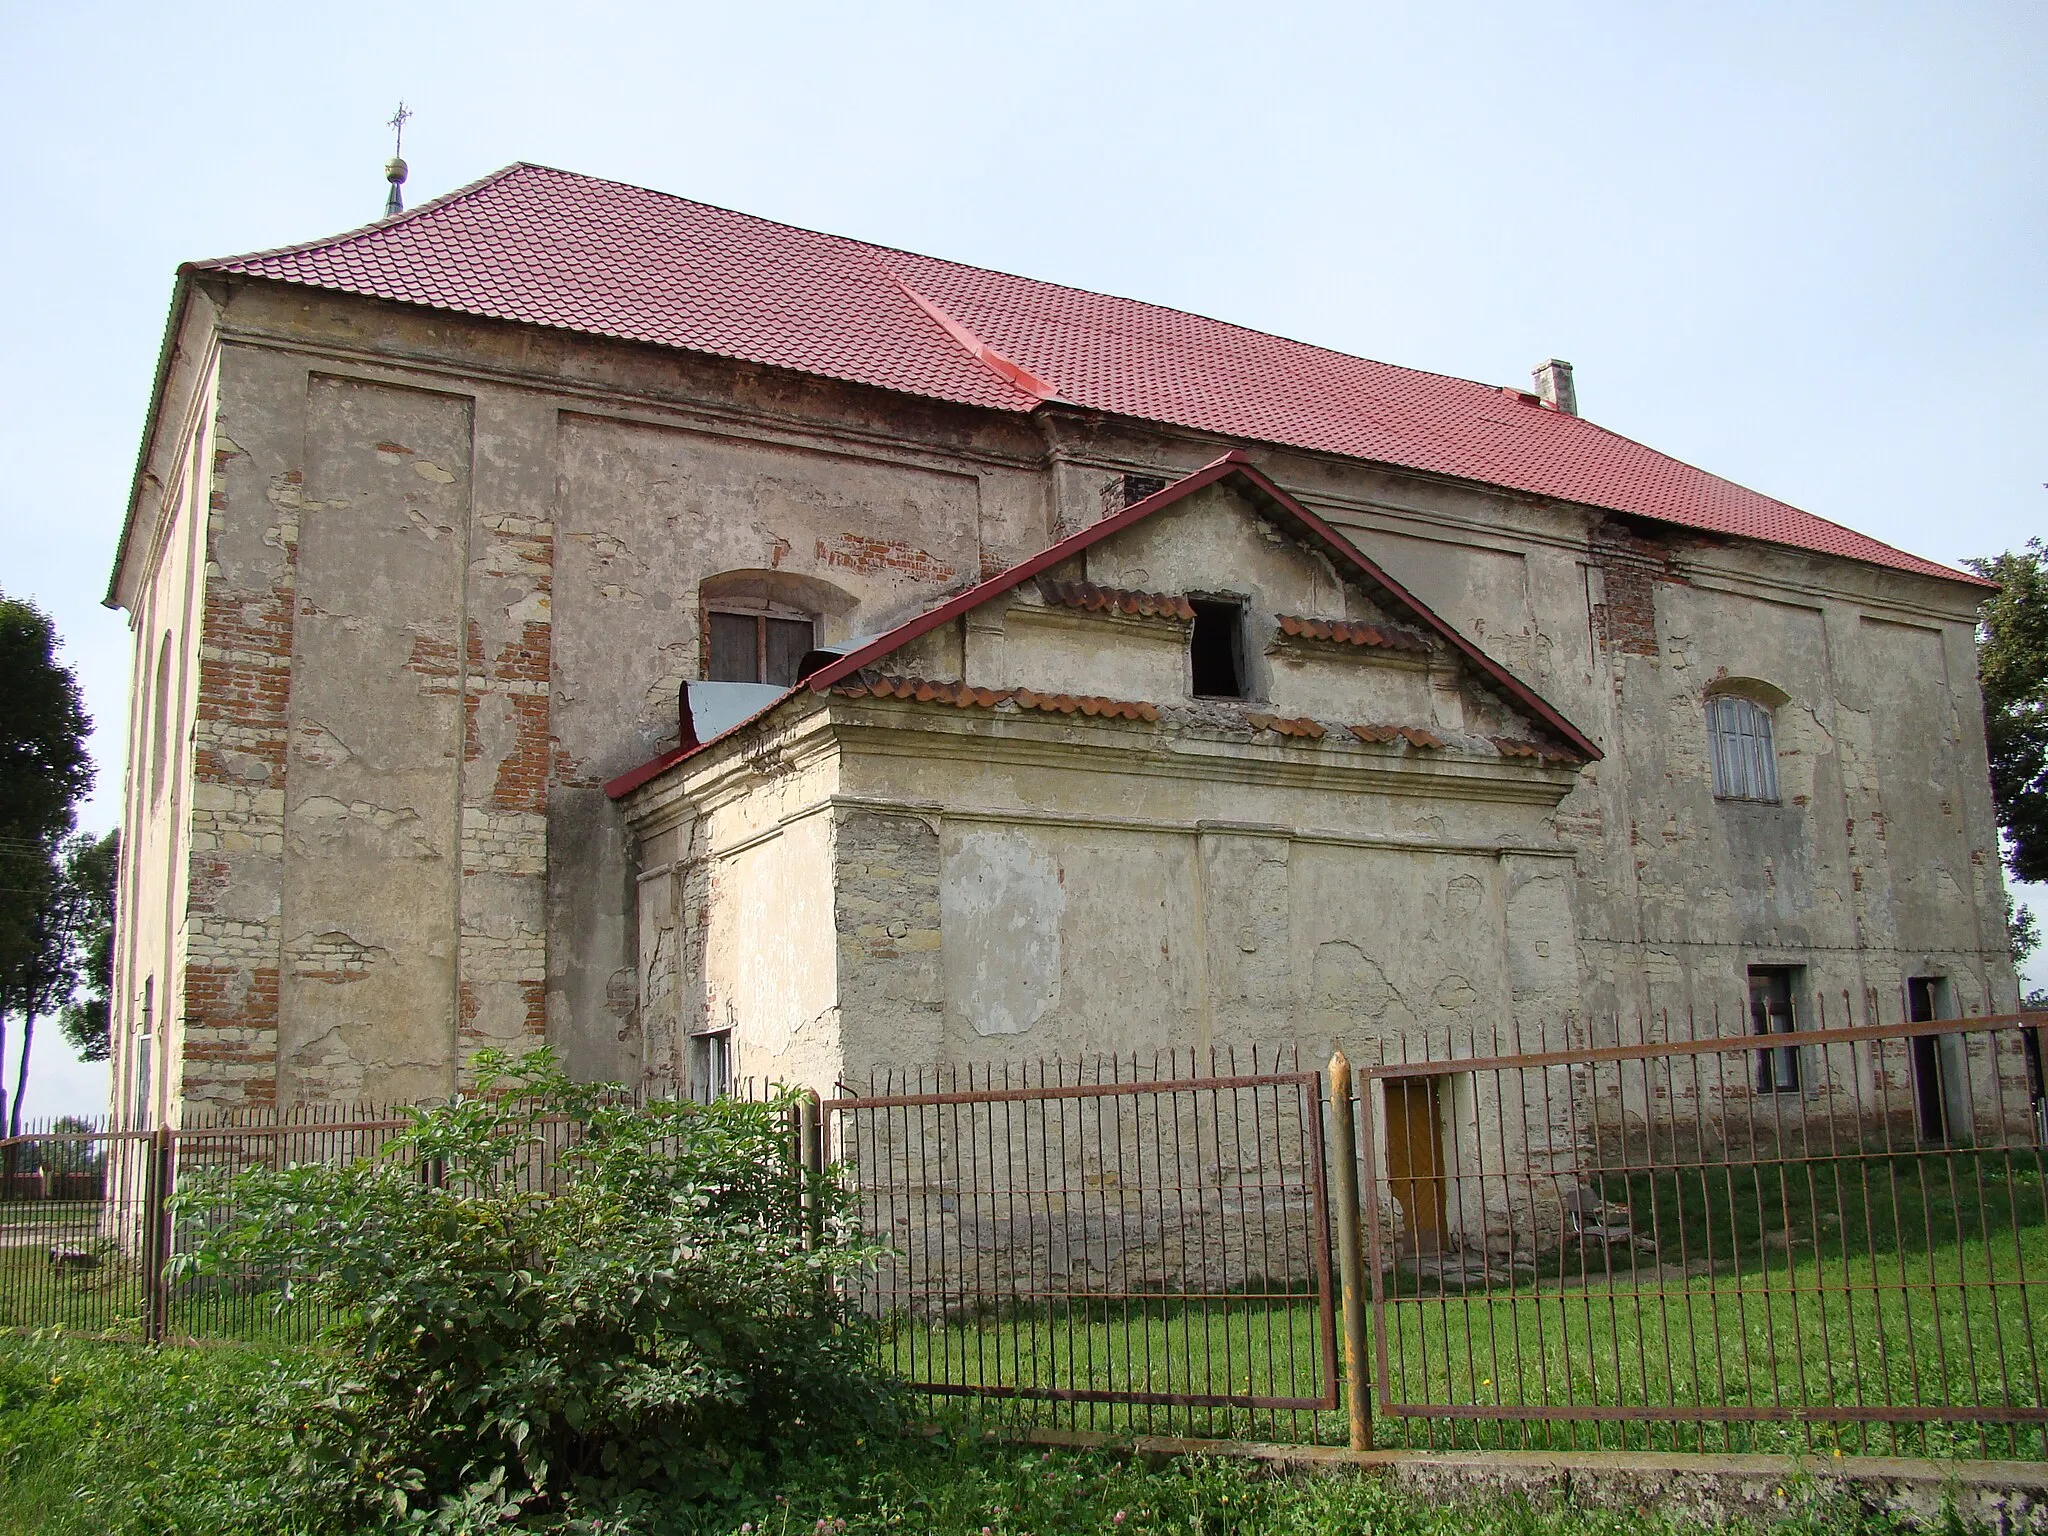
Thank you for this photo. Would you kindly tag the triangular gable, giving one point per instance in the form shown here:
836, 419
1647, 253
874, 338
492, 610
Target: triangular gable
1237, 468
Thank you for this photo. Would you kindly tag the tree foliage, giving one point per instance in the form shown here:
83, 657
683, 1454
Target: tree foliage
91, 867
642, 1318
70, 941
44, 771
2012, 665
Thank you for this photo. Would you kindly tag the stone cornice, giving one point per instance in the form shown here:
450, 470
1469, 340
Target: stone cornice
886, 728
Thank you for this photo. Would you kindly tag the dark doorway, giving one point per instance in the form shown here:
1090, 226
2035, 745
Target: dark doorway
1771, 1013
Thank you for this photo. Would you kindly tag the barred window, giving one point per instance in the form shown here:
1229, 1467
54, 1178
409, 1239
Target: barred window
1745, 756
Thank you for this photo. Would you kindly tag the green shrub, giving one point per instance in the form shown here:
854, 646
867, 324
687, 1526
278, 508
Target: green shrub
637, 1316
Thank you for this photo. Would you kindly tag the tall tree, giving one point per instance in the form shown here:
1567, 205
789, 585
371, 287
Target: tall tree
91, 867
2012, 665
44, 770
47, 980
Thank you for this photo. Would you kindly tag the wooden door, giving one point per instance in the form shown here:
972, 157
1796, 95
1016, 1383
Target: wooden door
1415, 1160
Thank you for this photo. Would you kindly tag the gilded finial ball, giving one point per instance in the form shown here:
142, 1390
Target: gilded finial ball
394, 170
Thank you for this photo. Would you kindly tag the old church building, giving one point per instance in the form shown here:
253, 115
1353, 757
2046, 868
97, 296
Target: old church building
567, 612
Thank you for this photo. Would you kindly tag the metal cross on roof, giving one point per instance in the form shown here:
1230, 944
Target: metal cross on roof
394, 168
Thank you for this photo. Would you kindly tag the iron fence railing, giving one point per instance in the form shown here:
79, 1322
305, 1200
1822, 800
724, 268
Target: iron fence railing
1100, 1246
1707, 1243
1665, 1237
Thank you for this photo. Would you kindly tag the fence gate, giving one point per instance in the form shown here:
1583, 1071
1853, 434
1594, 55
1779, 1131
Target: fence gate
1714, 1244
1092, 1248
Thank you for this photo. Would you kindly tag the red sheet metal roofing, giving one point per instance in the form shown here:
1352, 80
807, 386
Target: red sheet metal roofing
547, 247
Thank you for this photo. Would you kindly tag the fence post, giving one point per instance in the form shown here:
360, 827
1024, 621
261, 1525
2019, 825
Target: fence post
156, 1235
811, 1143
1350, 1257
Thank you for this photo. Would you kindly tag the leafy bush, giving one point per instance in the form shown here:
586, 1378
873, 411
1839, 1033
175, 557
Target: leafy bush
102, 1439
632, 1316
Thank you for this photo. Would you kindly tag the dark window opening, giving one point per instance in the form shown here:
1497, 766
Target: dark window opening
754, 648
1216, 649
711, 1066
1930, 1088
1771, 1013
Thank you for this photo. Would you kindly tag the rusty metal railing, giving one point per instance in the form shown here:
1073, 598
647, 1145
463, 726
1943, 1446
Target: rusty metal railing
1836, 1240
1676, 1236
1101, 1245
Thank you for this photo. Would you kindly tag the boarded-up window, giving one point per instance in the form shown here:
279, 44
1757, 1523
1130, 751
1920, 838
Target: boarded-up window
1744, 753
1415, 1160
757, 648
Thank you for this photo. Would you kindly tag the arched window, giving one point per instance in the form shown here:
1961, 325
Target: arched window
1744, 751
758, 625
159, 729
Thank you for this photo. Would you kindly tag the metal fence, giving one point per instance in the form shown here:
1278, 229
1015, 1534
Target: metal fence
1710, 1244
1672, 1237
1100, 1246
90, 1233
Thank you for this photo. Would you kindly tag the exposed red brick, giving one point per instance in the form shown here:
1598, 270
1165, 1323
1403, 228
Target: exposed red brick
874, 557
207, 879
225, 998
1630, 567
432, 657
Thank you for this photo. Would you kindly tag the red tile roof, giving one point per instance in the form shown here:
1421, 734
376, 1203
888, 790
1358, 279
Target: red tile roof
550, 248
1414, 735
1354, 632
881, 686
1148, 605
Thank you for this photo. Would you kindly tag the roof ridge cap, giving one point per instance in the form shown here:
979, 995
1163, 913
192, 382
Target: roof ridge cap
431, 205
1012, 373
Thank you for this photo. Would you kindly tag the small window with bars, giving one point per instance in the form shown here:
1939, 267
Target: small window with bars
757, 648
1745, 755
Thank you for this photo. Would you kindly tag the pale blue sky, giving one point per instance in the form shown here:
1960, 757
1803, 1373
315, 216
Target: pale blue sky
1800, 245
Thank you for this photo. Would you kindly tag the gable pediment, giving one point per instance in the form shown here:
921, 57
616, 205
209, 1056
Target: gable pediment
1332, 654
1327, 641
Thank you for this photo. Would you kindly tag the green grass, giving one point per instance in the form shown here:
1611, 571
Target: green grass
1777, 1286
118, 1440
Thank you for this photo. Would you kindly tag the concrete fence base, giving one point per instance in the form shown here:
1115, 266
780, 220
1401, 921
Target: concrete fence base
2008, 1497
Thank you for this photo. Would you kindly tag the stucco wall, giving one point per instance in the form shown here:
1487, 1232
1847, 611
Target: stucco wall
164, 841
434, 866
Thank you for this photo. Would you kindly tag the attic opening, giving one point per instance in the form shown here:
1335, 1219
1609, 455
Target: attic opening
1216, 649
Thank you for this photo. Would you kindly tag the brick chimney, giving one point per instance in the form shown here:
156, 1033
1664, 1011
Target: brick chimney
1554, 386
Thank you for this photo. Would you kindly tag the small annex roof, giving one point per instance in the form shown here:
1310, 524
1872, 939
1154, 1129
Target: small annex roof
546, 247
1235, 468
